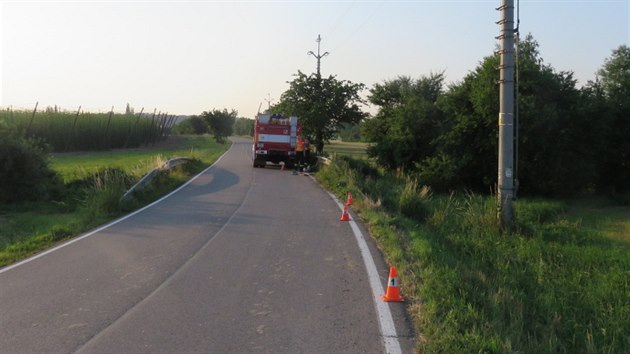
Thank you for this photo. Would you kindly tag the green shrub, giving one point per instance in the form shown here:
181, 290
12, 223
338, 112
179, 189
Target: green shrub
439, 172
24, 170
244, 126
193, 125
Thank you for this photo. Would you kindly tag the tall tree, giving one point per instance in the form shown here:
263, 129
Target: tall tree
552, 158
615, 86
192, 125
220, 122
450, 138
244, 126
322, 104
403, 130
467, 146
350, 132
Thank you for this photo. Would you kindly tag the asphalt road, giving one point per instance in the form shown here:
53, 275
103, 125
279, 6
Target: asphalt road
240, 260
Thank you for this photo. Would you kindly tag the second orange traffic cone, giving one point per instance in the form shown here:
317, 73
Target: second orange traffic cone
393, 287
345, 216
349, 202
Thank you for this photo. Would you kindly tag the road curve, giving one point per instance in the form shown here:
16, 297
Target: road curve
240, 260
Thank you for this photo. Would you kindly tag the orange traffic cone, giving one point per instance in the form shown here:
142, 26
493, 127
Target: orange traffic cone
393, 287
345, 216
349, 202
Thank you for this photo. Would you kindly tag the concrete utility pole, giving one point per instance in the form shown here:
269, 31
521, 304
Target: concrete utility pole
506, 115
318, 57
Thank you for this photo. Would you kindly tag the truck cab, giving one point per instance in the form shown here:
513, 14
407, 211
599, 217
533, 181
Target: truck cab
275, 138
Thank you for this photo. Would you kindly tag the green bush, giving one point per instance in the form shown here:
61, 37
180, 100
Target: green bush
193, 125
244, 127
24, 170
439, 172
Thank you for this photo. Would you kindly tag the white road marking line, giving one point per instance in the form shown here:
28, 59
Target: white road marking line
385, 319
90, 233
170, 279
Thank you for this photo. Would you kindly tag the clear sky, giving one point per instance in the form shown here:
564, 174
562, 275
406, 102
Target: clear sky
185, 57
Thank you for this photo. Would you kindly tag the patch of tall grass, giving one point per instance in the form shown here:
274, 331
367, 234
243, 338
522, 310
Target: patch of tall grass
549, 286
103, 194
414, 199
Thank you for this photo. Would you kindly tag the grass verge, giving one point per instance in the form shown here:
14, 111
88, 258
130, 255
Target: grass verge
94, 184
558, 283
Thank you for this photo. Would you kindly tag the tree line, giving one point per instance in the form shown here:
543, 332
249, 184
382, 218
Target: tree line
570, 140
220, 123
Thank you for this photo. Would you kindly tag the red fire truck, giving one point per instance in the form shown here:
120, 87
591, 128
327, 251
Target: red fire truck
275, 138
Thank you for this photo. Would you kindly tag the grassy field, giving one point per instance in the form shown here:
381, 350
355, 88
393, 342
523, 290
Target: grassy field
138, 161
558, 283
95, 182
600, 215
356, 150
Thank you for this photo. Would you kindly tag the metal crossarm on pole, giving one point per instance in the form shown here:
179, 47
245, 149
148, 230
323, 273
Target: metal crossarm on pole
318, 56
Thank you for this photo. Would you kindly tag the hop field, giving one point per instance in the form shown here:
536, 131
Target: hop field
82, 131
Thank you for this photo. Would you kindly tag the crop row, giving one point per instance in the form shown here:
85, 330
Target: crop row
84, 131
